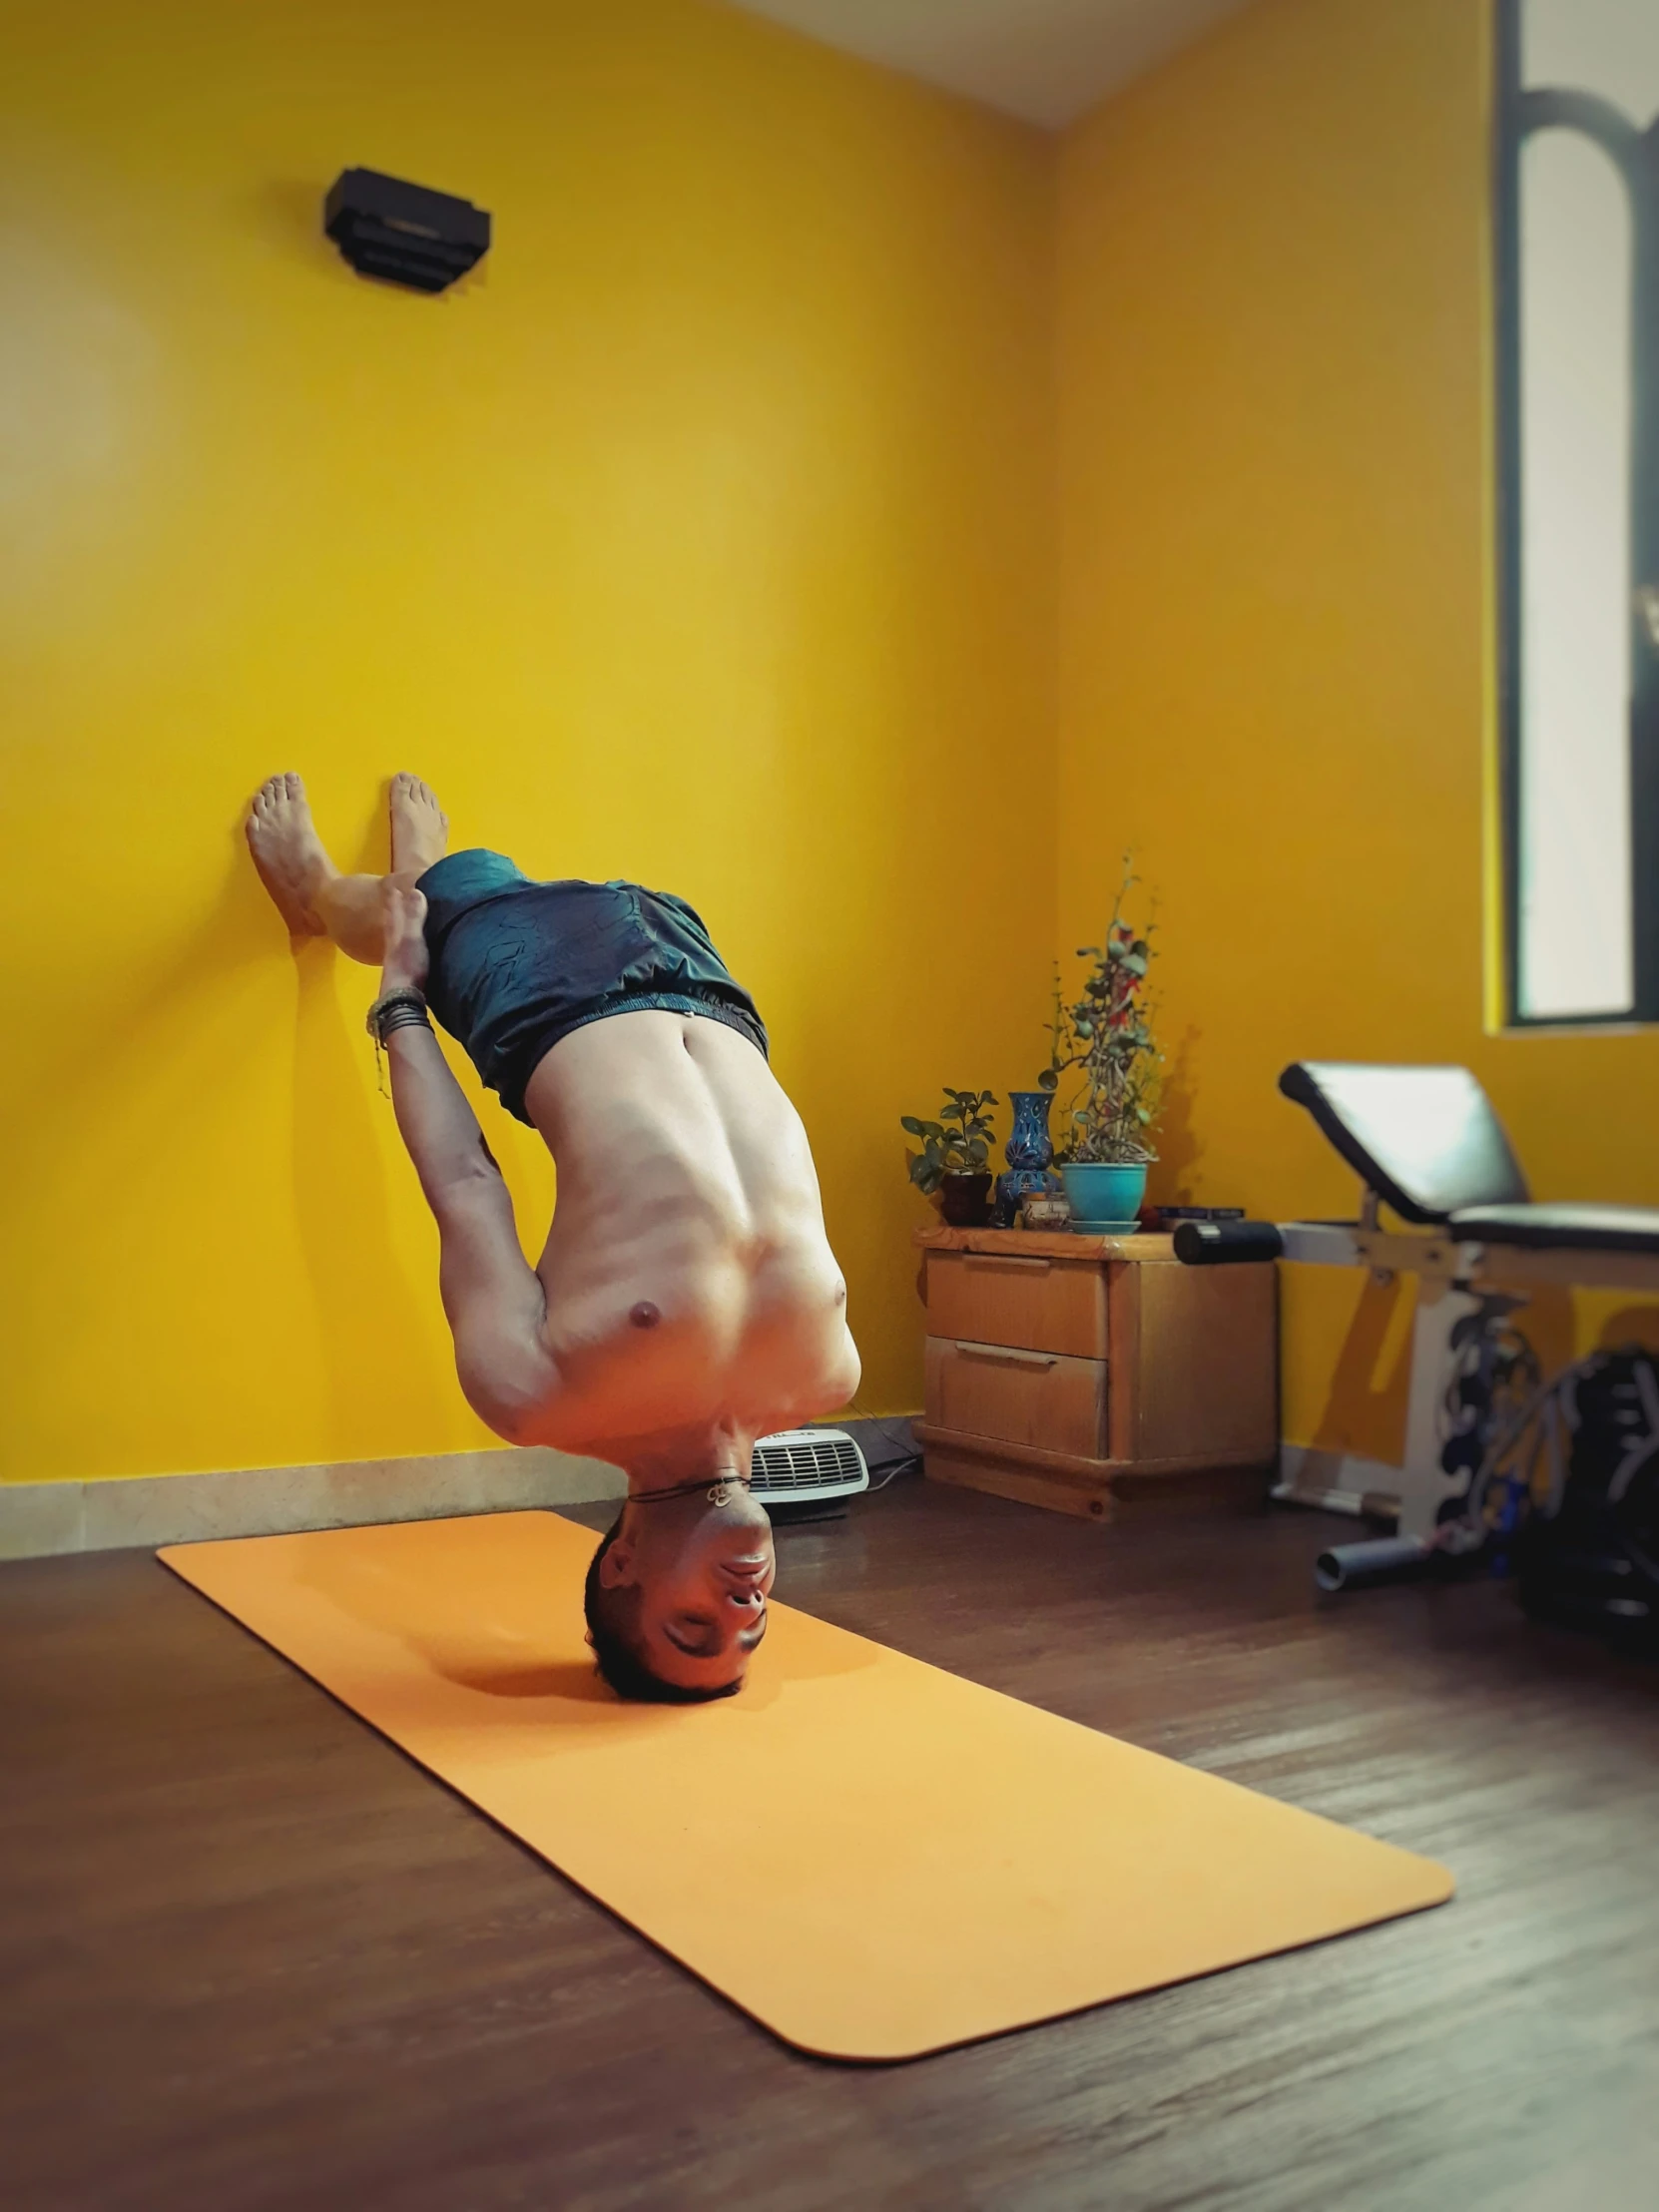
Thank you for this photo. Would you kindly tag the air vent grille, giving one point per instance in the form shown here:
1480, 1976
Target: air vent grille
807, 1462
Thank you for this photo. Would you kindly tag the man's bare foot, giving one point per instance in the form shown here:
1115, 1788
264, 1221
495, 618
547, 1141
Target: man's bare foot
288, 852
420, 825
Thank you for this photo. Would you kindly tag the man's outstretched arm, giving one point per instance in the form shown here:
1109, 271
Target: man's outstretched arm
492, 1296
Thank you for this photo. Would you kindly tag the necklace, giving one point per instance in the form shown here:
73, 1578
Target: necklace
720, 1492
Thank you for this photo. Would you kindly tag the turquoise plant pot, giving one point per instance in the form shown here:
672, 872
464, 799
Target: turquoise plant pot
1109, 1193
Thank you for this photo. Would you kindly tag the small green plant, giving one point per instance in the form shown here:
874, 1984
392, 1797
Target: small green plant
958, 1143
1107, 1036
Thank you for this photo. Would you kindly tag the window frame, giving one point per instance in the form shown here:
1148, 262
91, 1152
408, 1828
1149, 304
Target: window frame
1518, 113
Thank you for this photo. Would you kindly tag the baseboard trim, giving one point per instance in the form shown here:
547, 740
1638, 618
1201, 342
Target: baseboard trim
1337, 1482
129, 1513
40, 1519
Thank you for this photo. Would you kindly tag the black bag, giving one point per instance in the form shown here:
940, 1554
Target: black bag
1590, 1556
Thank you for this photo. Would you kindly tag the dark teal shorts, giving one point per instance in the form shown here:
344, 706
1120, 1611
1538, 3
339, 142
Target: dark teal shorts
517, 965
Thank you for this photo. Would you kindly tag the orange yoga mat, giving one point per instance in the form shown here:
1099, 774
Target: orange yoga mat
873, 1857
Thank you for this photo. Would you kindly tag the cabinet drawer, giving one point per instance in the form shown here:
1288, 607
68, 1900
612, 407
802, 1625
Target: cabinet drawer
1044, 1304
1016, 1395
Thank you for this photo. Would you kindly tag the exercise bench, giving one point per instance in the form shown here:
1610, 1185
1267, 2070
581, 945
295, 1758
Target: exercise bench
1425, 1143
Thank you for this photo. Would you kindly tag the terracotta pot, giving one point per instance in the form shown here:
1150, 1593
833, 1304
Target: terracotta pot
965, 1200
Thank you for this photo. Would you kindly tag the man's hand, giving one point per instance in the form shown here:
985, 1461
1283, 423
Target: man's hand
407, 959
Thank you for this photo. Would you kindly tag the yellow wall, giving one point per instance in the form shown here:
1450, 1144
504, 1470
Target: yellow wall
1276, 582
705, 537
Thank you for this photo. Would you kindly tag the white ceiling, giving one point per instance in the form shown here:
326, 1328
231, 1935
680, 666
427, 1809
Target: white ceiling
1046, 61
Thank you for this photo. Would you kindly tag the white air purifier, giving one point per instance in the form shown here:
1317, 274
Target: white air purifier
807, 1467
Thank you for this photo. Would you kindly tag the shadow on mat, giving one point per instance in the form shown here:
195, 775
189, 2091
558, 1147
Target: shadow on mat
480, 1625
561, 1678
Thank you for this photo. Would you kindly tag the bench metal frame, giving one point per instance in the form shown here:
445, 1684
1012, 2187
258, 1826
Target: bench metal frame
1452, 1278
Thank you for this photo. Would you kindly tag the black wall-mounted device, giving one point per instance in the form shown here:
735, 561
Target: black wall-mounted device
403, 233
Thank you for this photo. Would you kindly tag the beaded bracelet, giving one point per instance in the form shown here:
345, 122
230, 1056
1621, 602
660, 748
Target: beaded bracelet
399, 1009
407, 1001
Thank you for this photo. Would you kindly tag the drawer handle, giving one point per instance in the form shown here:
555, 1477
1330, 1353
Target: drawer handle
1006, 1355
1007, 1260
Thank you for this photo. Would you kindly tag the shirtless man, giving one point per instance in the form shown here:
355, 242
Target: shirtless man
687, 1300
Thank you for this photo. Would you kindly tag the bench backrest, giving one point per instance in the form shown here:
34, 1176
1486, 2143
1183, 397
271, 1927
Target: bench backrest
1425, 1139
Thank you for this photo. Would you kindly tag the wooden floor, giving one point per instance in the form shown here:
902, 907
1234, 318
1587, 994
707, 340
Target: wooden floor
249, 1956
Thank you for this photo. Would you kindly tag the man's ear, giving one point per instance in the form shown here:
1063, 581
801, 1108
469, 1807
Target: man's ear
616, 1568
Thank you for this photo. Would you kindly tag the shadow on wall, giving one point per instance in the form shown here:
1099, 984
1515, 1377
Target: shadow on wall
1364, 1410
289, 216
1174, 1175
146, 1052
372, 854
371, 1320
1548, 1323
125, 1030
1631, 1324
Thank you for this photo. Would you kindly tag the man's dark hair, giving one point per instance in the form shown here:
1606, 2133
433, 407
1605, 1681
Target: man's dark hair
618, 1661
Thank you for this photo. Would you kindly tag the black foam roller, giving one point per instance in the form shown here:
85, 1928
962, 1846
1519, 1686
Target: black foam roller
1216, 1243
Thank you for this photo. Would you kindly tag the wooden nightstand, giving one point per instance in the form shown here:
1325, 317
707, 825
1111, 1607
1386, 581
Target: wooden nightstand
1088, 1374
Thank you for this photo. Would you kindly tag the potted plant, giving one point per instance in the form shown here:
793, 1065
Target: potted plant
1106, 1037
953, 1163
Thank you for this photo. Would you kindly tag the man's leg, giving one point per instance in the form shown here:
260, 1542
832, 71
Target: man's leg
309, 892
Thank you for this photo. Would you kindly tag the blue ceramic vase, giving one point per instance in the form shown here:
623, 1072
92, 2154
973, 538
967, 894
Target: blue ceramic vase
1030, 1152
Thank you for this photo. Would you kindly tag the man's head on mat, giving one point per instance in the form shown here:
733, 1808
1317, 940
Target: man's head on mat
677, 1593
